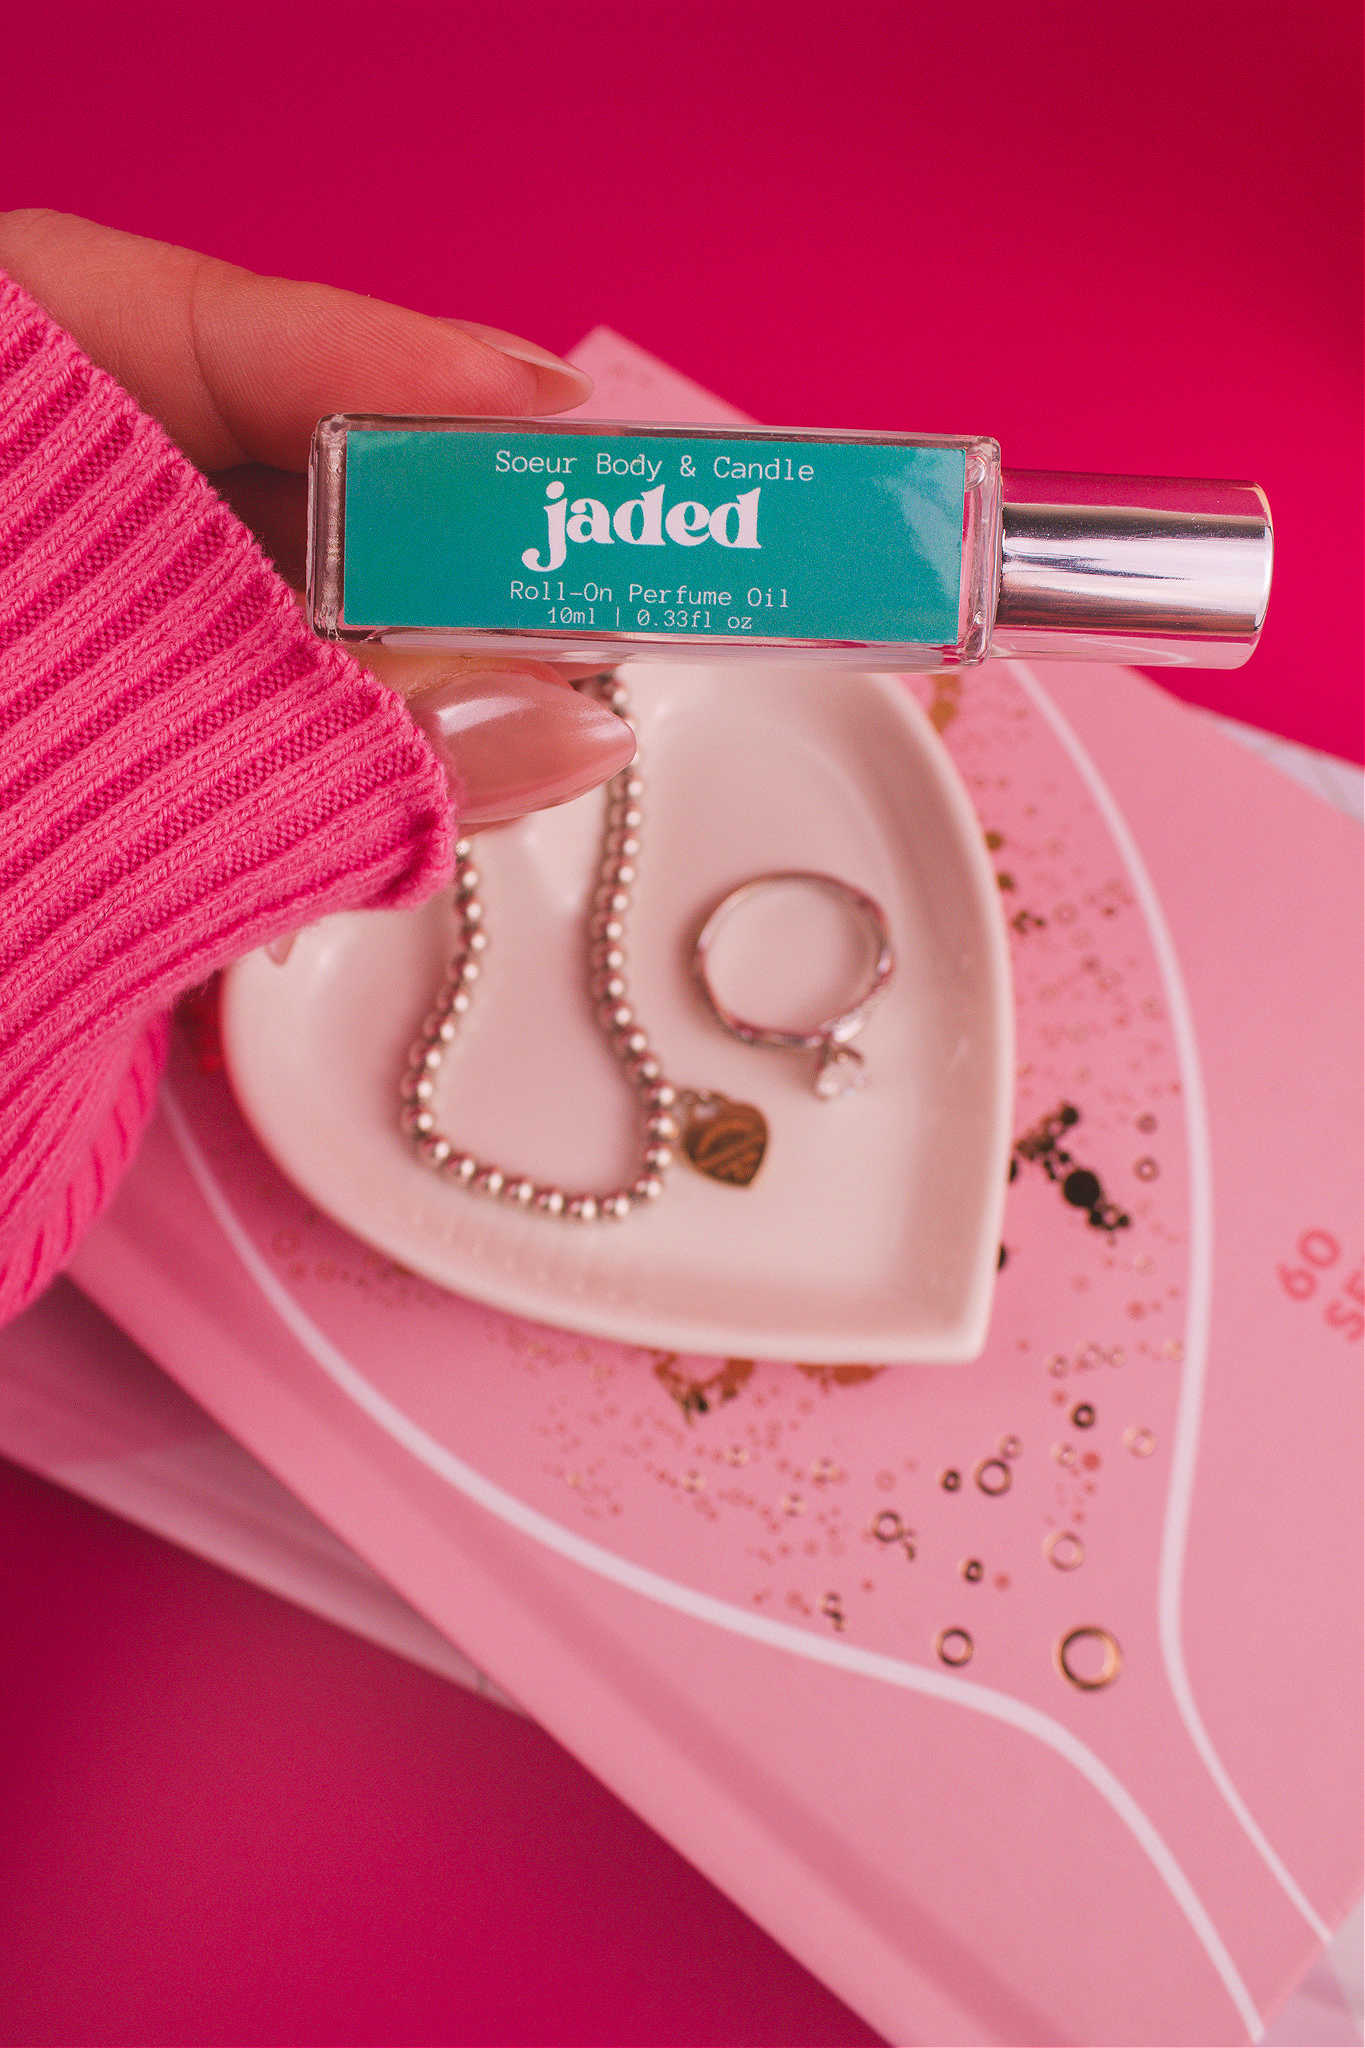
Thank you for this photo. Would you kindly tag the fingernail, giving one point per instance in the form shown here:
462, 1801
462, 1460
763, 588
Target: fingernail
514, 743
280, 949
569, 386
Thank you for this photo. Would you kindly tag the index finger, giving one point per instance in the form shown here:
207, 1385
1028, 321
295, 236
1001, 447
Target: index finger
239, 368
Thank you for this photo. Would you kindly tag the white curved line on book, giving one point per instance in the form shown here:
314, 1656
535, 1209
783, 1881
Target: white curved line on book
438, 1459
1176, 1522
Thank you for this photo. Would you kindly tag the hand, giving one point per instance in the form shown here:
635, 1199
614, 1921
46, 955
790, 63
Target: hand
239, 369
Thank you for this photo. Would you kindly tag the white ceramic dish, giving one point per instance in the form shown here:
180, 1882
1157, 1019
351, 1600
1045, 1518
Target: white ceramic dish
871, 1232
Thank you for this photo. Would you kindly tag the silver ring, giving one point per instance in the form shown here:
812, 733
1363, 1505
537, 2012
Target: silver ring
841, 1066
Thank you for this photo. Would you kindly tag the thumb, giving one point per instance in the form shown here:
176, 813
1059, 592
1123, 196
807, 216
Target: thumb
240, 368
512, 736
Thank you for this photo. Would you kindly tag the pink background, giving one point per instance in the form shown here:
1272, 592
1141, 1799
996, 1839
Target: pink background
1124, 238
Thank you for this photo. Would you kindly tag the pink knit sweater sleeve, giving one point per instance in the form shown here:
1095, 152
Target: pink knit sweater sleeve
186, 773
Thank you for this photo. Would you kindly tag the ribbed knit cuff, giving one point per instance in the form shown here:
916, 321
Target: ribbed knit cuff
185, 772
87, 1135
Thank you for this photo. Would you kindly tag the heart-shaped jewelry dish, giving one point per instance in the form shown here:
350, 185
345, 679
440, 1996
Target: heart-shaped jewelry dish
871, 1231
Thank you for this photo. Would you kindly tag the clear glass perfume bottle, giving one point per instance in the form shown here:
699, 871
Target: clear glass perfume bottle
592, 540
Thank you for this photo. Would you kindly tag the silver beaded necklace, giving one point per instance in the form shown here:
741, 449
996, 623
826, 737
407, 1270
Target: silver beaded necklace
721, 1138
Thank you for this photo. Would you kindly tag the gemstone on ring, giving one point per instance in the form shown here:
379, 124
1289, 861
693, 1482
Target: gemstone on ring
841, 1068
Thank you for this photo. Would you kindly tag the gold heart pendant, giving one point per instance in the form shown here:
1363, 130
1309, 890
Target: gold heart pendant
726, 1140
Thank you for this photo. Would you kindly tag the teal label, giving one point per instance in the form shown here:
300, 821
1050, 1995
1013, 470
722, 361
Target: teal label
668, 534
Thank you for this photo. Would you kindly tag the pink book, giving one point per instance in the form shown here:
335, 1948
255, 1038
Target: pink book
1019, 1699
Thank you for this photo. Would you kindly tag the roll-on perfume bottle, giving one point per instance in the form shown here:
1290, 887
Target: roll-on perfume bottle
592, 540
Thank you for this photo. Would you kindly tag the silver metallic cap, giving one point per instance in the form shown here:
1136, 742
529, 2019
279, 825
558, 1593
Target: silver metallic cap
1148, 569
